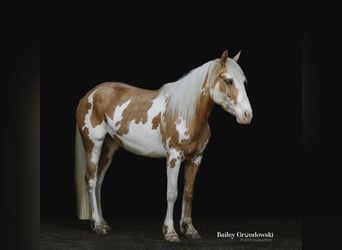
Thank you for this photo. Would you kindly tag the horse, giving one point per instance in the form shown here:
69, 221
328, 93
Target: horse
170, 122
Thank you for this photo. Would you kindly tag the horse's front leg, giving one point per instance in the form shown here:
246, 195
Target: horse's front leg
172, 170
190, 170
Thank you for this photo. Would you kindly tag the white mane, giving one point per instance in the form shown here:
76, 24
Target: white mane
184, 93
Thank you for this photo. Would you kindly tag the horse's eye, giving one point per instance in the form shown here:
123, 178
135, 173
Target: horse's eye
228, 81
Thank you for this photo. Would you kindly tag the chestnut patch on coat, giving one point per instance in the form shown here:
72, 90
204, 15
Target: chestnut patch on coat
95, 118
88, 147
104, 160
223, 86
91, 170
156, 121
136, 111
232, 92
173, 163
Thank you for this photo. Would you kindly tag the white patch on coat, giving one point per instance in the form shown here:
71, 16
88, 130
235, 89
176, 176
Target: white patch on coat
175, 154
197, 160
117, 116
172, 189
93, 202
87, 123
98, 132
227, 76
96, 152
182, 130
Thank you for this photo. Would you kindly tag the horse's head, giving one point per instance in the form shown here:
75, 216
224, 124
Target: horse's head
228, 89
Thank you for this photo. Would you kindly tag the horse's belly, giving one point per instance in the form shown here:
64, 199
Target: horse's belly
142, 140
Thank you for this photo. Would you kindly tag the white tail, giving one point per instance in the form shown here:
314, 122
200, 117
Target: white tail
82, 198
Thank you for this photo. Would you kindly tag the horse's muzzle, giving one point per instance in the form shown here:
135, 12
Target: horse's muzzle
246, 118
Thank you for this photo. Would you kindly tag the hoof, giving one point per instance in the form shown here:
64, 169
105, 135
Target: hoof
189, 231
100, 229
106, 226
194, 235
172, 237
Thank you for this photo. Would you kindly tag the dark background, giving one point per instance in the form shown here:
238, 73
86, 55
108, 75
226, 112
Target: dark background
247, 171
62, 40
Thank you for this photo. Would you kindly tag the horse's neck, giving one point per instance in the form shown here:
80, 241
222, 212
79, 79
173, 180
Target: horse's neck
205, 103
203, 109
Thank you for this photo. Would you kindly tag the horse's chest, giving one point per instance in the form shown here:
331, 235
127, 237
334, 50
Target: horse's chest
188, 140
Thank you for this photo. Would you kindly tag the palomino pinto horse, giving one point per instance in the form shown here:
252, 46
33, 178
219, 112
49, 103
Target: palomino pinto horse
170, 122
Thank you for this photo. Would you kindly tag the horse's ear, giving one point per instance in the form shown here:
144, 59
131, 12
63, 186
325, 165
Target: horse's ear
224, 58
237, 56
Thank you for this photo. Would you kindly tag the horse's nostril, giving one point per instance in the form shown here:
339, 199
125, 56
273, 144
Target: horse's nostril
247, 114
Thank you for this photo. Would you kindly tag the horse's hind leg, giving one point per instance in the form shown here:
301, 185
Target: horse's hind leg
108, 149
93, 143
93, 149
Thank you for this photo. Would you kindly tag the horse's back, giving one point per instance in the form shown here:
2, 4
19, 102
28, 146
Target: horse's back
106, 96
131, 114
116, 91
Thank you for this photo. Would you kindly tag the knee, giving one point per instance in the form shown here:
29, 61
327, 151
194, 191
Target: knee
188, 194
91, 183
172, 195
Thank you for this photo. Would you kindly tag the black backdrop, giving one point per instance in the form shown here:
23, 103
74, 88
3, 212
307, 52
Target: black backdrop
247, 171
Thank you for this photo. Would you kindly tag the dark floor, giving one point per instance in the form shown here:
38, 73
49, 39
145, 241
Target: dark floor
146, 234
